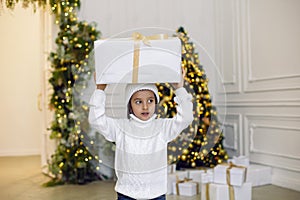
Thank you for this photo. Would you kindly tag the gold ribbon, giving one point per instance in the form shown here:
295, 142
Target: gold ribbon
184, 181
137, 37
207, 191
172, 169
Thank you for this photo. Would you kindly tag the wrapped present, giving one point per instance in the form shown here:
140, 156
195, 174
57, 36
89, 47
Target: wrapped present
240, 160
214, 191
199, 174
196, 175
207, 177
259, 175
173, 177
186, 187
230, 174
171, 168
140, 59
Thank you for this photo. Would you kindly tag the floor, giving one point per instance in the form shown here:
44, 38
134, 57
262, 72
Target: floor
21, 179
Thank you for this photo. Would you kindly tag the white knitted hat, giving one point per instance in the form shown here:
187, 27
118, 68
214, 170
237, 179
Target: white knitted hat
133, 88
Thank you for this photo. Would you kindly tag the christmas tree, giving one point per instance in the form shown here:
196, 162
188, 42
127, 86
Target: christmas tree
201, 143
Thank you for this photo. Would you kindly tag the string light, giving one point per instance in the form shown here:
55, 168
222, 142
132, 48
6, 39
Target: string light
205, 123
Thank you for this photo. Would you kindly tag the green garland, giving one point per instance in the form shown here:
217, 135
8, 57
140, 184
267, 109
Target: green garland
10, 4
72, 162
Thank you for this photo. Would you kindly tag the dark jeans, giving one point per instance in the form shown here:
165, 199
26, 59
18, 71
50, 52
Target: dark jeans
124, 197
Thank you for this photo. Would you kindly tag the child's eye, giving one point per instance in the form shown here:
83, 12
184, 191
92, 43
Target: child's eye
150, 100
138, 102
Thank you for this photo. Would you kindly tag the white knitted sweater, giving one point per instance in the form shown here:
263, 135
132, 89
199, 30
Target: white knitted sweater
141, 146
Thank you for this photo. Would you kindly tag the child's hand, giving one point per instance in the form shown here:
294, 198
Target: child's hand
99, 86
180, 84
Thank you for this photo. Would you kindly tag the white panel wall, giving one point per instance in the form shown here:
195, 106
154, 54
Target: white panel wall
257, 50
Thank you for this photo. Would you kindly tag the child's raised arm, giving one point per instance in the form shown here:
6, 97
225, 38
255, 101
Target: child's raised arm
97, 118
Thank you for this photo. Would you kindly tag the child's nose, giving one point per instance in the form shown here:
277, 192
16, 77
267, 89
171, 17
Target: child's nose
145, 106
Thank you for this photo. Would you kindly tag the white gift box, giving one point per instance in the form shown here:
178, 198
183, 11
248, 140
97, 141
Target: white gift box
201, 175
186, 189
237, 175
259, 175
171, 168
196, 175
173, 177
207, 177
221, 192
125, 60
240, 160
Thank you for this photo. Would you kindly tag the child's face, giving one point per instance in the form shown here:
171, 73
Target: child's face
143, 104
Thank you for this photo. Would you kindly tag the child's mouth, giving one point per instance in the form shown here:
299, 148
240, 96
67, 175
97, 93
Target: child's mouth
145, 113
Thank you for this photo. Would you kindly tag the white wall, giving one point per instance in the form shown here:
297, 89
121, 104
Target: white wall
257, 49
21, 57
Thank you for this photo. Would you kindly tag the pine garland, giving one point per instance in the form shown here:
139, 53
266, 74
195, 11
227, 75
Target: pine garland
72, 161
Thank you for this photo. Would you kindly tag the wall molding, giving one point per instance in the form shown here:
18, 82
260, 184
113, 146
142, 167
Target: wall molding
259, 102
254, 84
253, 79
234, 84
250, 124
261, 159
252, 148
268, 116
234, 120
235, 137
255, 121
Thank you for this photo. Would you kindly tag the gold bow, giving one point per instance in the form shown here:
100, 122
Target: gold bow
146, 39
137, 37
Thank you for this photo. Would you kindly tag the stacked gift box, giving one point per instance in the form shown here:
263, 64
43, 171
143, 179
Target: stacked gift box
229, 183
232, 181
187, 182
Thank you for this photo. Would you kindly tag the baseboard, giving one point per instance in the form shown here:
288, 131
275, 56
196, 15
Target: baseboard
27, 152
286, 179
